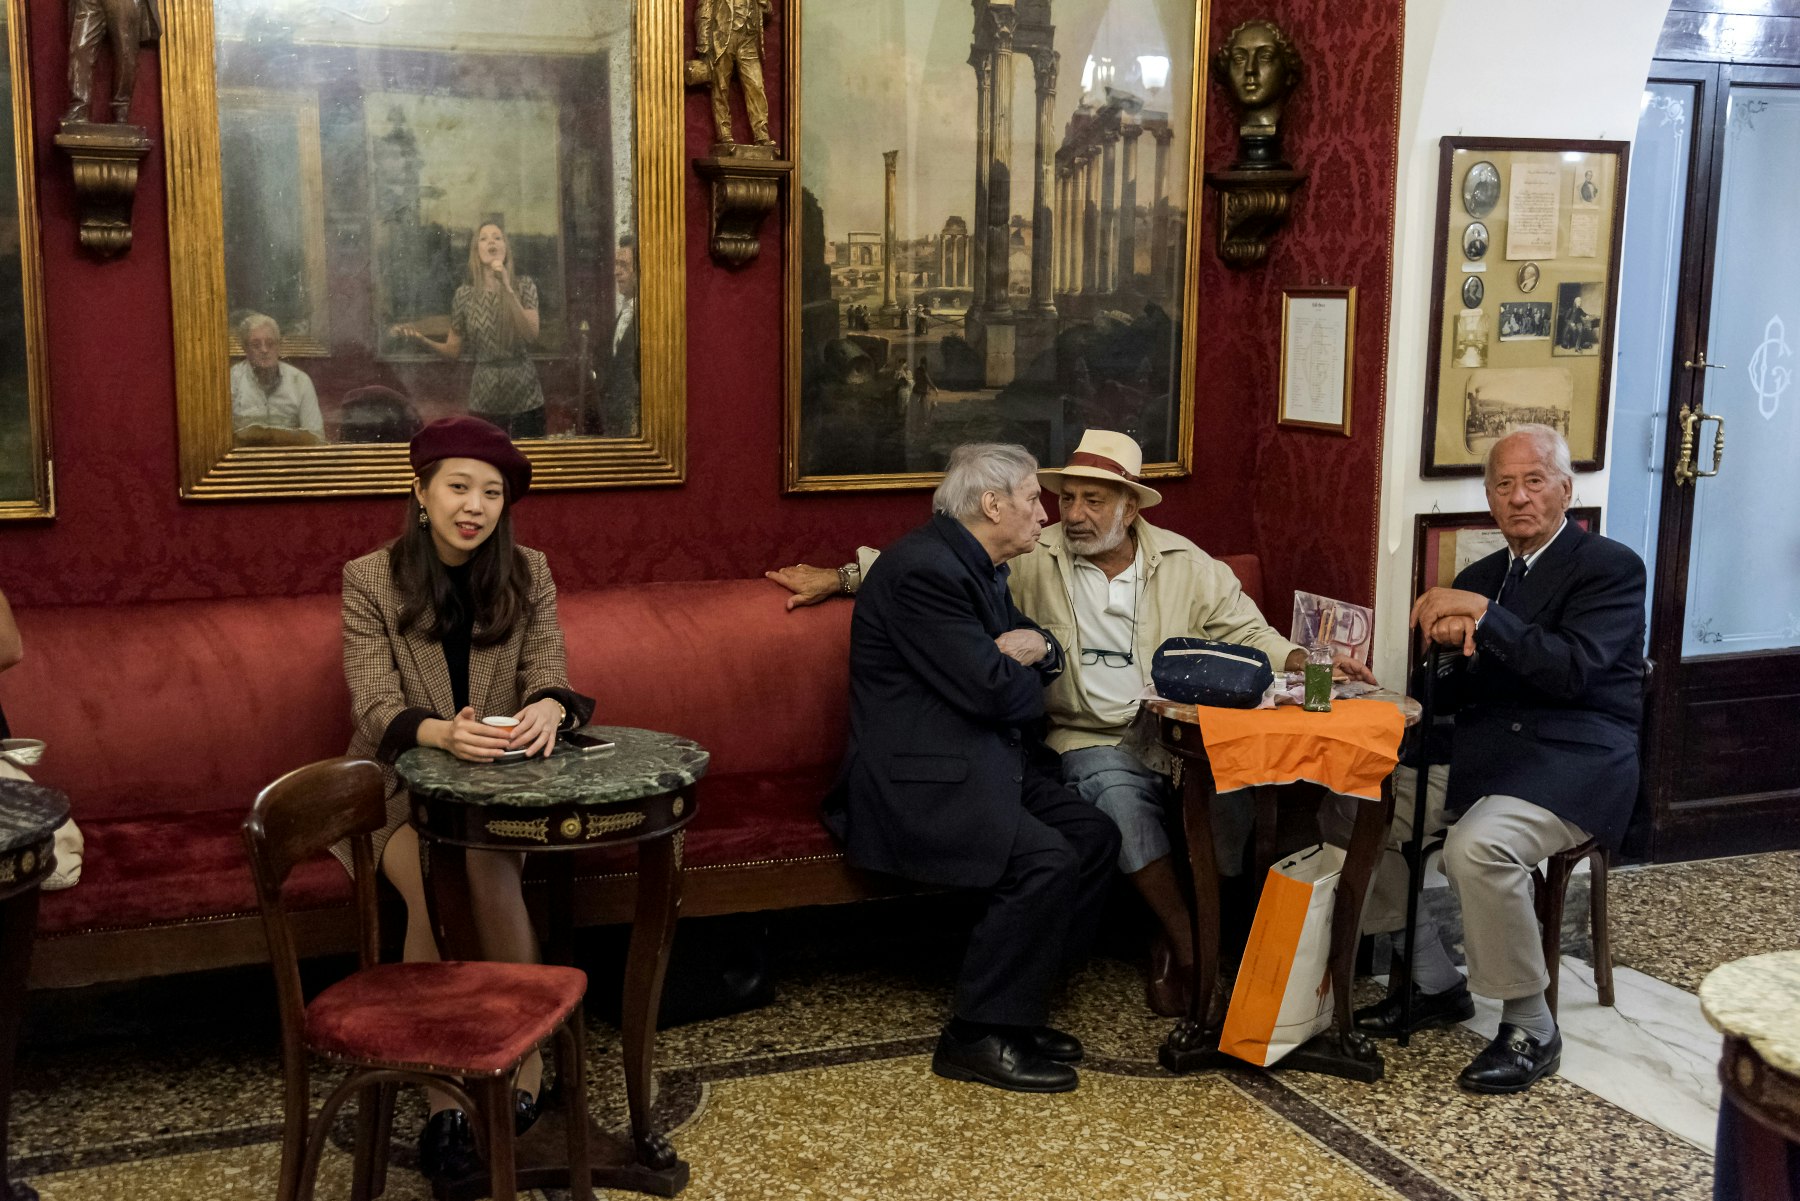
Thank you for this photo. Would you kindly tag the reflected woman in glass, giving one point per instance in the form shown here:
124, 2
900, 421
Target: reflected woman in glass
496, 315
267, 395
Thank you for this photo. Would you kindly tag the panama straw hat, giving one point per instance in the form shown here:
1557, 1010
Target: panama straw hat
1105, 455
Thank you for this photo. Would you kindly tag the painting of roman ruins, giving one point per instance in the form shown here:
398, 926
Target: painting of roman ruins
991, 231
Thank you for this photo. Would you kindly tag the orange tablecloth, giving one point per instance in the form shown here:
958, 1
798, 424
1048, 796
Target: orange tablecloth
1349, 750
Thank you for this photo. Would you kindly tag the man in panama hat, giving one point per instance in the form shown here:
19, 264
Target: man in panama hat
1111, 587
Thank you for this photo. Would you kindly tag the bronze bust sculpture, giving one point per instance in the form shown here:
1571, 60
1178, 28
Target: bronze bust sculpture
1261, 68
127, 24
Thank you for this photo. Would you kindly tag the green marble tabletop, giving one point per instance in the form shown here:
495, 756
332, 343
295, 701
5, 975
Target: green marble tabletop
1758, 999
643, 764
29, 813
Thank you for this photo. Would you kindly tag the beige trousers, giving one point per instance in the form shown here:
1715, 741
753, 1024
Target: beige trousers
1488, 857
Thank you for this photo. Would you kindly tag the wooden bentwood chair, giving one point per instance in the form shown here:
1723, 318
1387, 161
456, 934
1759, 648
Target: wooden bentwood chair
462, 1028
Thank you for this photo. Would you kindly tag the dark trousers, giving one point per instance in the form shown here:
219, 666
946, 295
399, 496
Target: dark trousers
1042, 915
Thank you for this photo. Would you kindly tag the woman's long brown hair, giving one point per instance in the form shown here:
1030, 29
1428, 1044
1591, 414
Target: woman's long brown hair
499, 578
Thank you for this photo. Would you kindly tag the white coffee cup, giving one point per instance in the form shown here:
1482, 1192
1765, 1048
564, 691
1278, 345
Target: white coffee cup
505, 724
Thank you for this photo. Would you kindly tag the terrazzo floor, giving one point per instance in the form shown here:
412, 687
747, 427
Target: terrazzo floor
171, 1088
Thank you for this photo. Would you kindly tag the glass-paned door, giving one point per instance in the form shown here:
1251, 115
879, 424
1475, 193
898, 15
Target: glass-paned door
1744, 568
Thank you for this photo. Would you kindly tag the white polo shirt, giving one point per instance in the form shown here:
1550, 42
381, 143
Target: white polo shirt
1106, 619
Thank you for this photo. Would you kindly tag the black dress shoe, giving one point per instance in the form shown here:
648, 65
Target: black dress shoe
1055, 1045
447, 1146
1003, 1062
1512, 1063
1447, 1008
525, 1110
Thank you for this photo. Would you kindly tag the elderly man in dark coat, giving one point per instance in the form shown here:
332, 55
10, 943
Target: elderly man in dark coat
945, 781
1548, 698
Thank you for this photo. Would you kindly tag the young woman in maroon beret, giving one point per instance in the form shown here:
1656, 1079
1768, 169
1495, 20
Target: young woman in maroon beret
450, 623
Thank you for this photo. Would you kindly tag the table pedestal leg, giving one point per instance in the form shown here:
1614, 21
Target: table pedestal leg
1194, 1043
652, 935
444, 868
1341, 1050
18, 926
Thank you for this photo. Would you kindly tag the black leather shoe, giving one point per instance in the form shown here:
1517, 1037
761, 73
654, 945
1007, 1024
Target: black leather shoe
525, 1110
1003, 1062
447, 1146
1382, 1019
1055, 1045
1512, 1063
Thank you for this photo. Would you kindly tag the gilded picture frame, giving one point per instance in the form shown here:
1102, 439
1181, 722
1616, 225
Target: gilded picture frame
610, 193
1514, 214
27, 474
897, 345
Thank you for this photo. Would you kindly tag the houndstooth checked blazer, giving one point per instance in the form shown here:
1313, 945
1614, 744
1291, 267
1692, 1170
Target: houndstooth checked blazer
390, 673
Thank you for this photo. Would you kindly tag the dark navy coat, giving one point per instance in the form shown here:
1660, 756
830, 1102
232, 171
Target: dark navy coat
942, 724
1549, 708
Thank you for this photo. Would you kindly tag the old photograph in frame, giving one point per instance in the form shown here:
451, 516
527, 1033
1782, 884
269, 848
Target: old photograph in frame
26, 478
989, 233
384, 214
1505, 351
1318, 358
1445, 543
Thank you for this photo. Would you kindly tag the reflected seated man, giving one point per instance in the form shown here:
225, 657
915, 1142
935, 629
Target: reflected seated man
272, 402
1548, 695
1112, 588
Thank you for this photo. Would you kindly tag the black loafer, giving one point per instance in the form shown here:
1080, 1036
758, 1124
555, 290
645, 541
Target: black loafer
525, 1111
1512, 1063
1055, 1045
447, 1146
1003, 1062
1447, 1008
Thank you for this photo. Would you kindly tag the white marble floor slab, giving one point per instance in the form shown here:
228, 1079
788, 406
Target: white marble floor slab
1653, 1055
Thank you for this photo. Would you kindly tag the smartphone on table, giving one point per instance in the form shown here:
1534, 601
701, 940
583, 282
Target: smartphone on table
585, 743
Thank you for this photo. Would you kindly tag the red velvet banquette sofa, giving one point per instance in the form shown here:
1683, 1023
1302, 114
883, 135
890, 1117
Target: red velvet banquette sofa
163, 720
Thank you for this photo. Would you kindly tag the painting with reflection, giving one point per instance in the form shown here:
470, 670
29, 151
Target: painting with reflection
993, 231
24, 414
426, 207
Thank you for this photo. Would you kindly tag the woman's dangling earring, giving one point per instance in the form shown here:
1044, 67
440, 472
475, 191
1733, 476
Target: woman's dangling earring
424, 519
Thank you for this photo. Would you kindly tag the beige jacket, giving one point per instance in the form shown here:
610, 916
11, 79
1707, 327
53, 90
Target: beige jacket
1187, 592
390, 672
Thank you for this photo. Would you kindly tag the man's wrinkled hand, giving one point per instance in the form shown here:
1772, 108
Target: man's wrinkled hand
1353, 669
1454, 631
809, 584
1022, 646
1439, 603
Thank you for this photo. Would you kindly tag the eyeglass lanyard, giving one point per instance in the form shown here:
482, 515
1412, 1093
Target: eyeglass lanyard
1137, 594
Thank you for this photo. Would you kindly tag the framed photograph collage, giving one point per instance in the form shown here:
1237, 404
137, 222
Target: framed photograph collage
1525, 287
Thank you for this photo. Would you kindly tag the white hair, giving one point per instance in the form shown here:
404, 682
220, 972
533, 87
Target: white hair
254, 321
977, 468
1552, 448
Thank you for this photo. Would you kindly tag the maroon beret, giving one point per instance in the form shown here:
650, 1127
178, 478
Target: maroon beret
472, 438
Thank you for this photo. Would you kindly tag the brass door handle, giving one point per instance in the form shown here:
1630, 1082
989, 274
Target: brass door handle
1686, 468
1701, 364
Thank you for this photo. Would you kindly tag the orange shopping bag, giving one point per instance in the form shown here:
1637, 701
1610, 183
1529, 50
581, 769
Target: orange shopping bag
1283, 992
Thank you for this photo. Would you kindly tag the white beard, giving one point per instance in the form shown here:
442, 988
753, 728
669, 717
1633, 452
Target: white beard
1102, 542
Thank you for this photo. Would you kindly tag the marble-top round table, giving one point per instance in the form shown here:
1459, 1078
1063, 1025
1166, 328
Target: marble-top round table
29, 815
640, 791
1755, 1004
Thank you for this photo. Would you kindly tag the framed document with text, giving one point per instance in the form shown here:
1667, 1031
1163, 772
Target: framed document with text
1318, 351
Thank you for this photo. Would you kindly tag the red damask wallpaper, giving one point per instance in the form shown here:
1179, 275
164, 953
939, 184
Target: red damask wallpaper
1305, 501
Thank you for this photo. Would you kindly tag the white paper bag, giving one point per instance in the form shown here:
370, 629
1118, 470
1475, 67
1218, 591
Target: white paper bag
1283, 993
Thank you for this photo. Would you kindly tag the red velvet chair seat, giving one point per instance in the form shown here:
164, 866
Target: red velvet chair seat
174, 867
474, 1019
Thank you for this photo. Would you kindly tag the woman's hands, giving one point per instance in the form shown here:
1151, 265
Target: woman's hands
537, 727
464, 736
467, 737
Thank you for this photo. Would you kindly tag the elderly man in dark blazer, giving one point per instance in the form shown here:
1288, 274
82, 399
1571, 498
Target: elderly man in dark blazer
945, 781
1548, 698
